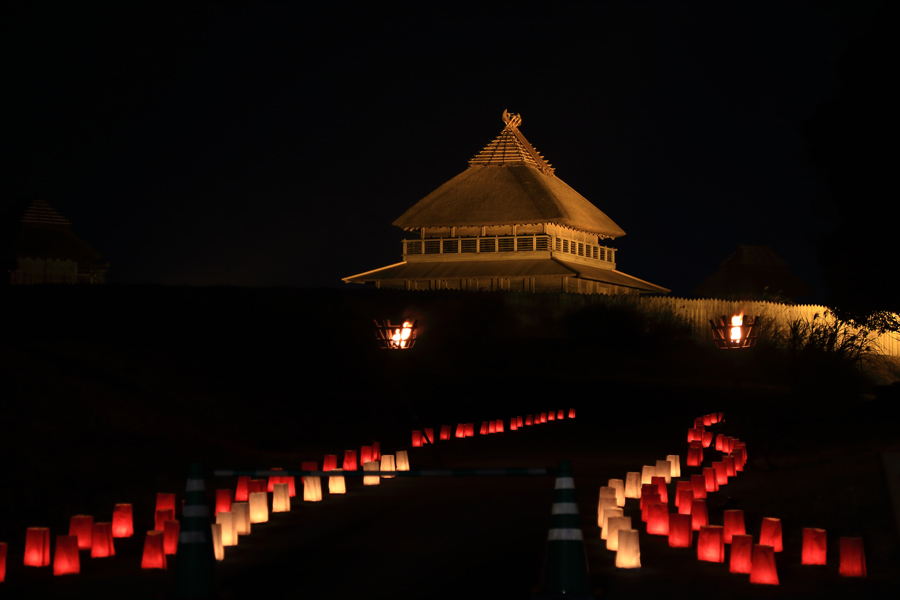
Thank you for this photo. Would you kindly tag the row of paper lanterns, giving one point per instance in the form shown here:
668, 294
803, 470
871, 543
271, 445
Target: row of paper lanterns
757, 560
464, 430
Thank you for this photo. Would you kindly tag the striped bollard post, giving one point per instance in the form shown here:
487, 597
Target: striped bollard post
565, 568
195, 575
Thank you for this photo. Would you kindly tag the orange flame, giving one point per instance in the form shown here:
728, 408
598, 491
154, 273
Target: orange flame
736, 323
401, 336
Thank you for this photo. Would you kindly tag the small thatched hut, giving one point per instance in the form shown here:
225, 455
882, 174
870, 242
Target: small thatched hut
507, 223
37, 245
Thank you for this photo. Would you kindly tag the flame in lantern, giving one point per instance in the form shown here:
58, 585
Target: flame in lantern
736, 323
401, 336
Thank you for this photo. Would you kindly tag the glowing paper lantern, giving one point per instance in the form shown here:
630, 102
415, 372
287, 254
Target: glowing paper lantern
712, 481
329, 463
770, 533
66, 561
37, 547
461, 430
658, 518
698, 423
551, 416
685, 499
470, 429
170, 536
3, 549
664, 469
608, 514
242, 493
628, 554
102, 540
162, 515
519, 422
647, 473
571, 413
699, 514
270, 486
241, 511
711, 544
484, 428
281, 496
122, 521
259, 507
674, 465
349, 460
707, 420
529, 419
660, 482
257, 485
729, 466
402, 461
741, 554
707, 438
679, 487
336, 484
613, 526
365, 452
513, 424
312, 486
853, 557
632, 484
619, 486
227, 530
154, 556
429, 435
387, 464
647, 499
165, 502
561, 415
499, 427
289, 480
492, 426
680, 533
733, 523
218, 546
223, 501
694, 456
698, 486
376, 449
371, 479
719, 446
814, 544
543, 418
693, 435
762, 569
80, 527
445, 432
605, 502
646, 490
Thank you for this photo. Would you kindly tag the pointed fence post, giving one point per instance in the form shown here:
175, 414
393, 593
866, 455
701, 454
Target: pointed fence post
195, 574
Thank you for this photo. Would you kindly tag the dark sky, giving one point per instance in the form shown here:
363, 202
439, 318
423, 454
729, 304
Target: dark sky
271, 144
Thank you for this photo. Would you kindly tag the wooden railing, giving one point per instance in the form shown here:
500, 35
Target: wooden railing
508, 243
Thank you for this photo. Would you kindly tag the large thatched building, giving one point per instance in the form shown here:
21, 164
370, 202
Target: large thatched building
37, 245
507, 223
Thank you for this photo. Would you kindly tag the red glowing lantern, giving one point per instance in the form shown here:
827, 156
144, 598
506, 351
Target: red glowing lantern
102, 540
484, 428
243, 489
376, 449
712, 484
711, 544
561, 414
122, 521
719, 445
428, 437
365, 452
698, 423
853, 557
698, 486
551, 416
728, 444
330, 462
680, 533
416, 442
646, 500
470, 429
770, 533
543, 417
445, 432
349, 460
730, 470
519, 422
2, 561
646, 490
734, 524
699, 514
707, 420
658, 518
499, 427
528, 420
66, 561
679, 487
171, 529
571, 413
492, 426
80, 527
165, 501
162, 516
154, 553
721, 473
292, 490
461, 430
762, 569
814, 543
37, 547
706, 438
685, 500
660, 483
741, 554
694, 435
270, 486
512, 424
694, 456
254, 486
223, 501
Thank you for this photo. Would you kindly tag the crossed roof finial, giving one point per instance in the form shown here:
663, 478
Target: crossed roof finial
511, 120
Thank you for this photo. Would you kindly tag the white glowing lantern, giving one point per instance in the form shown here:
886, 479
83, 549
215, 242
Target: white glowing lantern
227, 528
218, 546
632, 484
242, 521
675, 463
312, 488
259, 507
647, 474
336, 484
402, 461
664, 469
606, 502
372, 479
608, 514
628, 554
387, 464
281, 495
619, 486
613, 526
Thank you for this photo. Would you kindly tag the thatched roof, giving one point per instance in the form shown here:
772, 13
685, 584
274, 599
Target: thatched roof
753, 271
508, 183
34, 229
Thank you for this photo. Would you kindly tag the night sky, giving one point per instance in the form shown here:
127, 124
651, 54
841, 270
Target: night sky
270, 144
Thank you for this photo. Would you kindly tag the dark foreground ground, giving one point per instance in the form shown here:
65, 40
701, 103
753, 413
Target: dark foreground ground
115, 411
